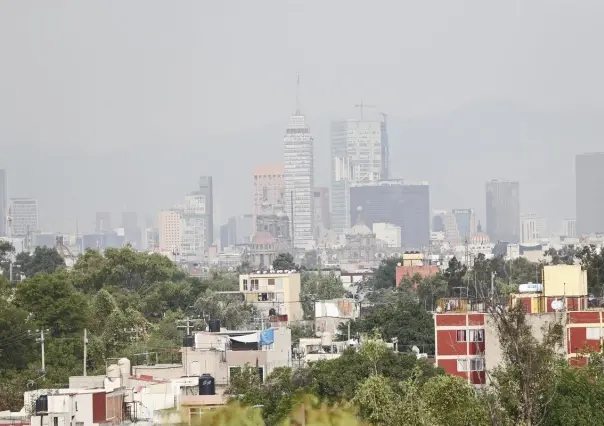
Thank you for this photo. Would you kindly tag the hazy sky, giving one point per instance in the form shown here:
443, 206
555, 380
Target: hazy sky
113, 105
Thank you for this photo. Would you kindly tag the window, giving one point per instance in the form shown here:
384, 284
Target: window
255, 285
470, 335
462, 365
593, 333
271, 281
477, 364
476, 335
245, 284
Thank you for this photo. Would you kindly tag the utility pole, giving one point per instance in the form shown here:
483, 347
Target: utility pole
41, 340
85, 349
189, 324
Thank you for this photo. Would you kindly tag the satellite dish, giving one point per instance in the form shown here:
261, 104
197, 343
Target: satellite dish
557, 305
415, 349
439, 309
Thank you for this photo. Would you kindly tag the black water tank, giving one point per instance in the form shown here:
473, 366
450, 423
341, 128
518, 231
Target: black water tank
214, 326
42, 404
188, 341
207, 385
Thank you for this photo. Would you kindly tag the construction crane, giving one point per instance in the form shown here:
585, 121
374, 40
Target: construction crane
363, 106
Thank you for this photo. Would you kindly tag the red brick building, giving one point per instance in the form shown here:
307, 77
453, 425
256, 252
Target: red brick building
423, 271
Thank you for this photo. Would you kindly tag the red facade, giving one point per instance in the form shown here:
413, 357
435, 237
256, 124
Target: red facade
460, 345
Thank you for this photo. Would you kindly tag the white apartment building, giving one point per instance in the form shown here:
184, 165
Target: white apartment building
569, 227
532, 228
23, 217
298, 162
170, 230
359, 153
389, 233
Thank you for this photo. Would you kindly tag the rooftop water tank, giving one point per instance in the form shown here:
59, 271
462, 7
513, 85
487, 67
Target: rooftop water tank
113, 371
124, 365
530, 288
42, 404
207, 385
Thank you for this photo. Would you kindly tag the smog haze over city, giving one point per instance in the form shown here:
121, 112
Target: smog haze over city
121, 106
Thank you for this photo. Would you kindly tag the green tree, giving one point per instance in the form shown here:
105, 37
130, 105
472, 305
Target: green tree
527, 379
579, 398
232, 415
15, 340
315, 286
454, 274
53, 302
44, 260
228, 308
402, 317
384, 276
447, 399
284, 261
592, 260
378, 401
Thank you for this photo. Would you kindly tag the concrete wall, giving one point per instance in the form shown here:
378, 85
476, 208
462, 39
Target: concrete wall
493, 354
564, 280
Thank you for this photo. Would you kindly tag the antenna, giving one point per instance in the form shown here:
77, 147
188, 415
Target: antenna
363, 106
298, 95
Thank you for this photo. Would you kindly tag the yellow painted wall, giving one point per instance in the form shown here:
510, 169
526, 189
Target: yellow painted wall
564, 280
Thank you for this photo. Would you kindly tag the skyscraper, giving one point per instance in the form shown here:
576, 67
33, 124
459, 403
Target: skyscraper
205, 189
103, 222
401, 203
194, 225
170, 230
3, 202
321, 211
23, 218
299, 180
465, 220
268, 189
503, 211
589, 176
132, 232
359, 153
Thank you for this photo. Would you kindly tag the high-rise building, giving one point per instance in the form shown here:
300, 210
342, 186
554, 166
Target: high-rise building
238, 230
589, 177
132, 232
205, 189
321, 211
465, 221
151, 239
268, 189
170, 230
569, 227
194, 225
3, 203
359, 153
528, 228
401, 203
298, 160
23, 218
503, 211
103, 222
